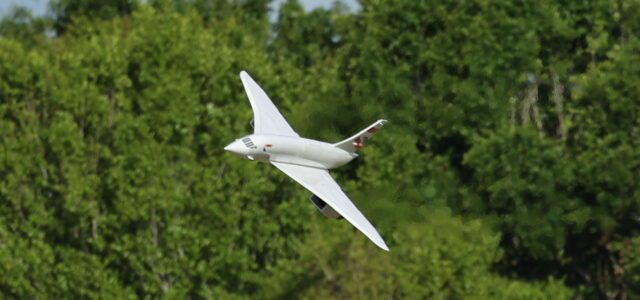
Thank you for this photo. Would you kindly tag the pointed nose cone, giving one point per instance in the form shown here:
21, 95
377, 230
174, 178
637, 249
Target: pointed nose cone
235, 147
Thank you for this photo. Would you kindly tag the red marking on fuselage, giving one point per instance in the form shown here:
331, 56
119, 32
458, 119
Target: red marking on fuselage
268, 145
372, 130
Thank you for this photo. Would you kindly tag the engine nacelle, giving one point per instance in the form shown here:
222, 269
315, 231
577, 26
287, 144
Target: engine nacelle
324, 208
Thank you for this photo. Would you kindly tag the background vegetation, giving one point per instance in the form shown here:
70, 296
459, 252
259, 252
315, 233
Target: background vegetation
510, 168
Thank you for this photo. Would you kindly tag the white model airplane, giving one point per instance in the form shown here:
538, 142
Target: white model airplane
304, 160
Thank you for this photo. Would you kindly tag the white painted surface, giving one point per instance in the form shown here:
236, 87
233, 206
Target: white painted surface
267, 119
322, 185
305, 160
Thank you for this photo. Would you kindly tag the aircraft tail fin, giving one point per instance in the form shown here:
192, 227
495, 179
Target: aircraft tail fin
356, 142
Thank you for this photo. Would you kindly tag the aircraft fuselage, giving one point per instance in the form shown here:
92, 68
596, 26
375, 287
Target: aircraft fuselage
293, 150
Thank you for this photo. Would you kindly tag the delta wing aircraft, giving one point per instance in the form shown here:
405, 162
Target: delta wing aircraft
306, 161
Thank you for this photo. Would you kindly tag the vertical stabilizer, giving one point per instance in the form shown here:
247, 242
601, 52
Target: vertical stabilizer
356, 142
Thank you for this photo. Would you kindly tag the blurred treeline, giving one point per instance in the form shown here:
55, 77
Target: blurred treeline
510, 168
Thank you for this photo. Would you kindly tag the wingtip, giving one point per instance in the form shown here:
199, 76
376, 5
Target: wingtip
245, 77
383, 245
378, 241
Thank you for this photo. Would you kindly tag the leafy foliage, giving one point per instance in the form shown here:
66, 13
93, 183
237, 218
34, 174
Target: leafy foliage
509, 168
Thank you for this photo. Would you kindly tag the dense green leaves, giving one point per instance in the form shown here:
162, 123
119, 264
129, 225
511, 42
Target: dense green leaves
509, 168
446, 258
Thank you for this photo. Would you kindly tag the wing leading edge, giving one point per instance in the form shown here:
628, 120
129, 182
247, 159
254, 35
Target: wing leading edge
320, 182
267, 118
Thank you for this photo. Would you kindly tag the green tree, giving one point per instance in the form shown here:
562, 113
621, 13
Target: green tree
519, 118
439, 258
21, 25
65, 11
